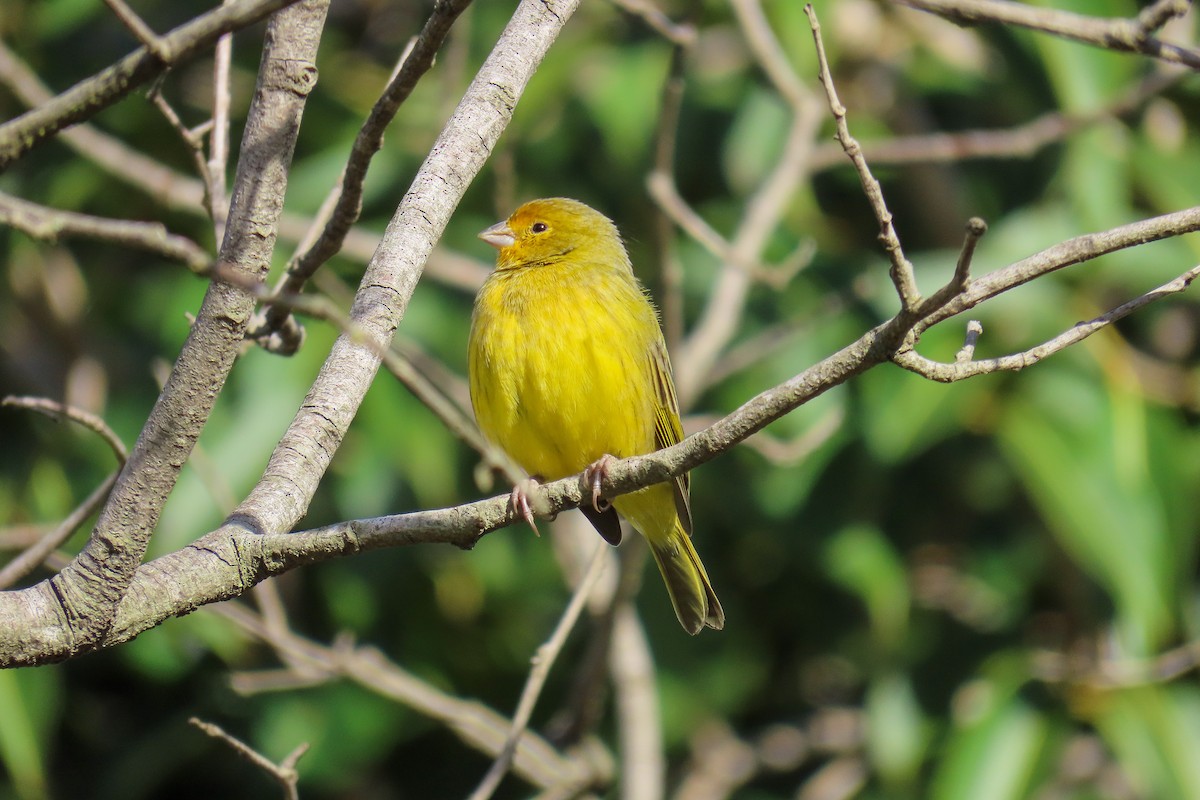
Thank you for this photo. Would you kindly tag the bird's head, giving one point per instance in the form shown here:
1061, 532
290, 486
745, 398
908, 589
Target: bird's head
543, 232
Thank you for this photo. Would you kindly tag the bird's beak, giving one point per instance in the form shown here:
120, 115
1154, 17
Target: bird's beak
498, 236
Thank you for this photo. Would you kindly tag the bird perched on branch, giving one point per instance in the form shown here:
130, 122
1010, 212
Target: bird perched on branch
568, 371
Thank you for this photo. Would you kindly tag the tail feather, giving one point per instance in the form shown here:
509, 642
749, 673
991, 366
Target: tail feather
692, 595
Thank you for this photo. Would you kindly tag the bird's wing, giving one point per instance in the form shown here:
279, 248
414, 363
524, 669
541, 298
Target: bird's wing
668, 430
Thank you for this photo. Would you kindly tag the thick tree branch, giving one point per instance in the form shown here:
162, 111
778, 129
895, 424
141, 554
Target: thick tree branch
73, 610
228, 561
348, 191
304, 452
100, 91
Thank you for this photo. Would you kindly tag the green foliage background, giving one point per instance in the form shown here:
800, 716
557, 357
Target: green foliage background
913, 570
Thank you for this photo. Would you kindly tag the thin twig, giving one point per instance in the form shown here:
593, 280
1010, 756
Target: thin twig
666, 129
901, 268
53, 408
976, 228
138, 27
51, 224
770, 54
948, 373
192, 138
349, 187
1020, 141
663, 191
1119, 35
682, 35
218, 141
89, 96
967, 353
39, 551
542, 662
284, 773
475, 724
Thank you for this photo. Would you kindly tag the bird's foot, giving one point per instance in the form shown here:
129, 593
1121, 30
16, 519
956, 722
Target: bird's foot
520, 499
595, 473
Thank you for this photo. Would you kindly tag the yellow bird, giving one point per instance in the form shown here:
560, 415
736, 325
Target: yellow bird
568, 370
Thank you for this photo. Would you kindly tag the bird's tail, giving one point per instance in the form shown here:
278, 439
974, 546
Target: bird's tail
692, 595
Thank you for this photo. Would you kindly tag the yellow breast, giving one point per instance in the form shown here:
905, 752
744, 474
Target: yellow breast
561, 367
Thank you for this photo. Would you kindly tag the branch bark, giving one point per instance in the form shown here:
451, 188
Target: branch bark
72, 611
100, 91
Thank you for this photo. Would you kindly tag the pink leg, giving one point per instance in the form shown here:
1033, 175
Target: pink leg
520, 502
595, 473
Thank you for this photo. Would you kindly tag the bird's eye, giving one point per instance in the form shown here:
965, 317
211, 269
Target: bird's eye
538, 227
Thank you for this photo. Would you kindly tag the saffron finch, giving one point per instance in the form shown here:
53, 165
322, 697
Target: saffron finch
569, 370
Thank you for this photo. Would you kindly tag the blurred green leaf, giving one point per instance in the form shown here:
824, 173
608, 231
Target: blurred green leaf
20, 749
1111, 521
1153, 731
755, 140
864, 562
897, 734
994, 756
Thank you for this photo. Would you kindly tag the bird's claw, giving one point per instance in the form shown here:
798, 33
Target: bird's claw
595, 473
520, 502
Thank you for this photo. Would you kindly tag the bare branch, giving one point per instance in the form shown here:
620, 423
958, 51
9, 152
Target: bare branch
1120, 35
85, 98
39, 551
83, 597
479, 727
192, 138
304, 452
1020, 141
680, 35
138, 28
53, 408
902, 269
962, 368
349, 187
51, 224
218, 140
226, 562
666, 130
976, 228
770, 53
974, 331
764, 209
542, 662
284, 773
631, 662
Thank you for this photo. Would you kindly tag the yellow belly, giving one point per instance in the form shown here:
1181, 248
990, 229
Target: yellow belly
560, 367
